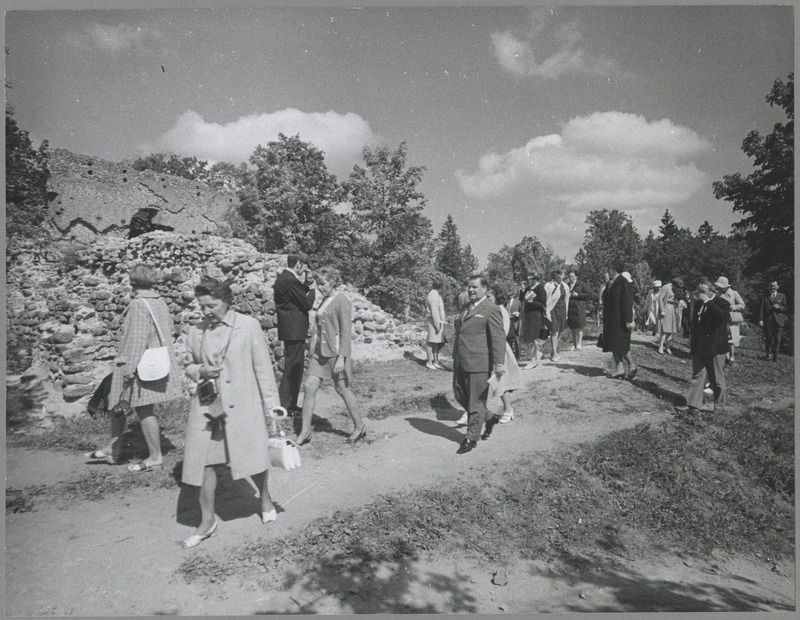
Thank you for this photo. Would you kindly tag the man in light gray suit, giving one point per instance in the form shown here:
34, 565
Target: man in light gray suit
479, 351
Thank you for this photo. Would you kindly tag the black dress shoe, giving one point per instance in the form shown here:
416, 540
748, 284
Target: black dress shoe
686, 409
466, 446
490, 424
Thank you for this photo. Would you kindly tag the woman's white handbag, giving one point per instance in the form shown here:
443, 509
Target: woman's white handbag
155, 363
283, 452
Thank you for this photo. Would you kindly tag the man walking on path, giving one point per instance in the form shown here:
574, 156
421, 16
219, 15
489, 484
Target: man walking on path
479, 352
709, 347
772, 315
294, 298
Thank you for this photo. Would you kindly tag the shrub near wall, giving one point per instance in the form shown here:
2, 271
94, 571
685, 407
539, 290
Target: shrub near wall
70, 304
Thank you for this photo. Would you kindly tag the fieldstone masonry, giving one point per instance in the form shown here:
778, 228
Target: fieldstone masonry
69, 300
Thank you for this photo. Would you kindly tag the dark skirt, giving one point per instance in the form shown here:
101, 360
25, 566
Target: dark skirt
532, 322
576, 319
558, 319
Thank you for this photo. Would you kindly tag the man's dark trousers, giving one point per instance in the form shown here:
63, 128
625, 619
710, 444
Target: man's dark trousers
292, 379
475, 388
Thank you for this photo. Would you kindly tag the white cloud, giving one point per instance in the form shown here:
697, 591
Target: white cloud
549, 50
340, 136
116, 37
606, 160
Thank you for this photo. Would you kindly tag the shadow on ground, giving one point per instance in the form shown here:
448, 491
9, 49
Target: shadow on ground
634, 592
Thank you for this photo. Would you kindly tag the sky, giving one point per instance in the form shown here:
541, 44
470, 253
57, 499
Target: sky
525, 118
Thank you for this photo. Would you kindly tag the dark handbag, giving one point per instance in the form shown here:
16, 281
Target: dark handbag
123, 407
544, 332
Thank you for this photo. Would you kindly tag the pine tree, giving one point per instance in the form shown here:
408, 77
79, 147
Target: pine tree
449, 258
668, 228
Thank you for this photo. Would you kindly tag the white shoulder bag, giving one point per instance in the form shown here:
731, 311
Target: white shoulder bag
154, 364
283, 452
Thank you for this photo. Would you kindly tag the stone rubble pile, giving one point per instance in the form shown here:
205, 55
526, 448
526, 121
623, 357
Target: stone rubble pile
69, 301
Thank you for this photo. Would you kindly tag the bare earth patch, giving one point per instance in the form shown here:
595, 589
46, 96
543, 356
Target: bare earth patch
70, 553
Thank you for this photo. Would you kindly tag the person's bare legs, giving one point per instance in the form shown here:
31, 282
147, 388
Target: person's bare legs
507, 408
207, 492
310, 388
554, 345
262, 482
151, 432
343, 389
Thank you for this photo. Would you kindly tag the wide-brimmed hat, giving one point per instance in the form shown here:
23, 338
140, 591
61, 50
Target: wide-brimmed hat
656, 283
722, 282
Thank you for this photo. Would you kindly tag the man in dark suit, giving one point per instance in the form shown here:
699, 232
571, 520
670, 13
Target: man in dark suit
479, 351
772, 315
294, 298
709, 347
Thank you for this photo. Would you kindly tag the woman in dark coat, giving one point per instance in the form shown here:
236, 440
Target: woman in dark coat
618, 321
576, 314
532, 302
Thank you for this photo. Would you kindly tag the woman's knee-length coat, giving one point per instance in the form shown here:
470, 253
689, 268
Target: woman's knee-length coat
139, 333
617, 314
247, 391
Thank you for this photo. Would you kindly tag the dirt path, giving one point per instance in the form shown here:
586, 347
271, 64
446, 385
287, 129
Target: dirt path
118, 556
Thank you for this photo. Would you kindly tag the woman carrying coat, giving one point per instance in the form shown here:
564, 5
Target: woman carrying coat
330, 354
229, 359
141, 330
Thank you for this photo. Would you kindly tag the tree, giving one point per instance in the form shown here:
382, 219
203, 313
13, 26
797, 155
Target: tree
706, 232
449, 256
27, 174
288, 203
610, 236
668, 228
766, 196
395, 237
499, 271
469, 262
530, 256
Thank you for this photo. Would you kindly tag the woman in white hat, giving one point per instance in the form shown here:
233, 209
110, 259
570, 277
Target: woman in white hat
735, 317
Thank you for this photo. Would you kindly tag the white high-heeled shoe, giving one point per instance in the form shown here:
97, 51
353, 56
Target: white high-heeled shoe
507, 417
196, 539
269, 517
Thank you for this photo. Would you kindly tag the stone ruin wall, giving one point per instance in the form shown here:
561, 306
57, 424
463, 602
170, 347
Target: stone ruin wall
68, 300
90, 196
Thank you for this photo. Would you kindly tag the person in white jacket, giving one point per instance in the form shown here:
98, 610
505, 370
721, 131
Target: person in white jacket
435, 322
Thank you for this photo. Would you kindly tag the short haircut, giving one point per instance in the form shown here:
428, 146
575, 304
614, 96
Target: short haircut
329, 273
293, 259
677, 282
573, 270
618, 266
142, 276
555, 272
481, 277
500, 298
438, 282
215, 288
704, 287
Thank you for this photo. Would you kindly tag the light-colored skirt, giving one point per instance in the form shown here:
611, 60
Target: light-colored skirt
322, 367
433, 337
735, 336
510, 380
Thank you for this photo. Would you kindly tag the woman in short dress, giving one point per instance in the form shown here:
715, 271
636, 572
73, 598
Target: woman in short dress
139, 332
330, 353
435, 323
229, 428
556, 309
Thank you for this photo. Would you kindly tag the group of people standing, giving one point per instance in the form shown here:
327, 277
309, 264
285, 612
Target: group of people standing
227, 358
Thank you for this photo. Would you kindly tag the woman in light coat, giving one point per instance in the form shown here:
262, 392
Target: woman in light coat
435, 324
139, 332
331, 354
668, 324
229, 349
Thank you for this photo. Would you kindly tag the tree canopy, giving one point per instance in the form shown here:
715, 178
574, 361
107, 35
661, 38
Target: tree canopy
27, 174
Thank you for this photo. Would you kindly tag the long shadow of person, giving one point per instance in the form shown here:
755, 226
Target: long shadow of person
586, 371
134, 445
432, 427
444, 410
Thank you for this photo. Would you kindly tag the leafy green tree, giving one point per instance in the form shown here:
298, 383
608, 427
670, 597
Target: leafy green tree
766, 196
470, 263
288, 203
706, 232
169, 163
610, 236
395, 237
499, 271
449, 255
27, 174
